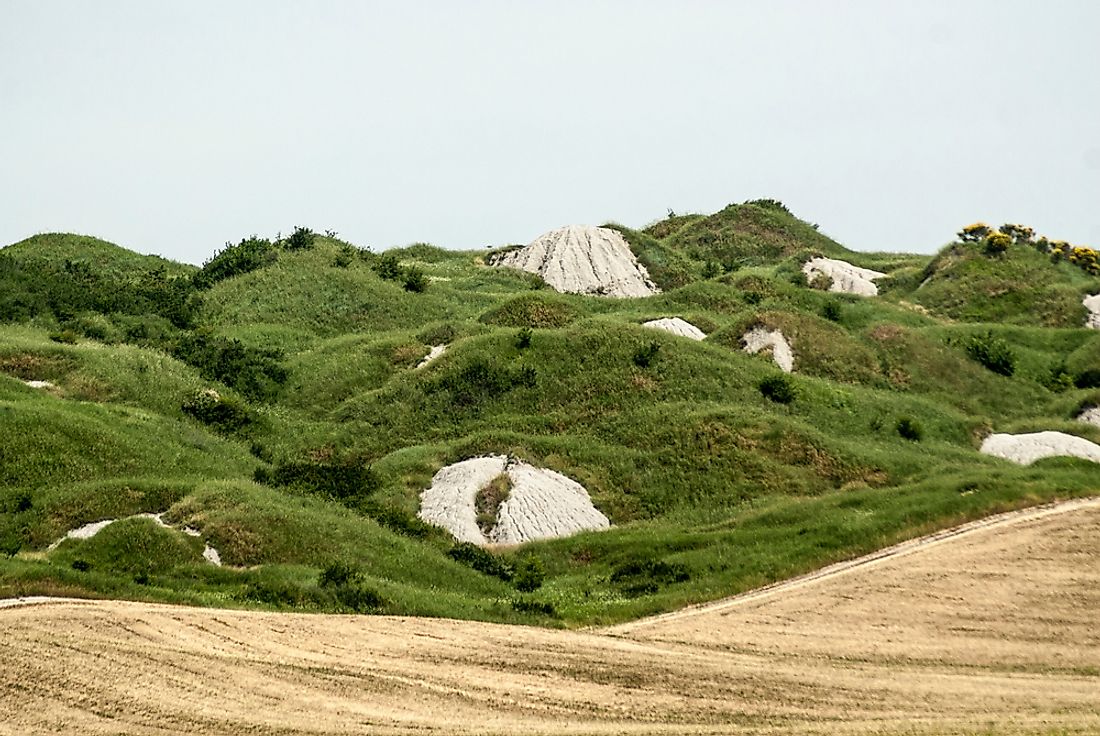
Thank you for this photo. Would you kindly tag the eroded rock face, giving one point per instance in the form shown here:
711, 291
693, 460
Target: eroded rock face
580, 259
847, 278
1090, 416
1092, 303
761, 338
676, 326
542, 504
1027, 448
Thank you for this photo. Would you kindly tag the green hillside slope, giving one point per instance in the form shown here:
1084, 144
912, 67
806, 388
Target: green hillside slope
286, 422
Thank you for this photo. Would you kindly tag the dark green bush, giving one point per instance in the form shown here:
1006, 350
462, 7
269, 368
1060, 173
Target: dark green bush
992, 352
255, 372
388, 267
397, 520
831, 311
359, 599
66, 337
481, 379
481, 560
523, 338
338, 573
288, 594
1088, 378
645, 576
223, 413
415, 280
529, 575
778, 388
711, 269
234, 260
300, 239
538, 608
81, 565
909, 429
349, 481
646, 354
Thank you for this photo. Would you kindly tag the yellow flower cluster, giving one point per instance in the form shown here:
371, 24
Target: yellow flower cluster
997, 242
1087, 259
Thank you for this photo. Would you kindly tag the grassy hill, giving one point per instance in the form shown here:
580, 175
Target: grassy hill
284, 419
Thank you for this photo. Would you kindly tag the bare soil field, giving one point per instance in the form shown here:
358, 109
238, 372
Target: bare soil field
995, 629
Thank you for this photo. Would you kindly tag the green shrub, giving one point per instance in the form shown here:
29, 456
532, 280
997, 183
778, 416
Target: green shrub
645, 576
831, 311
81, 565
529, 575
1088, 378
255, 372
778, 388
359, 598
909, 429
66, 337
538, 608
481, 560
233, 260
1058, 378
523, 338
275, 592
646, 354
711, 269
992, 352
481, 379
223, 413
338, 573
397, 520
388, 267
349, 481
301, 239
415, 280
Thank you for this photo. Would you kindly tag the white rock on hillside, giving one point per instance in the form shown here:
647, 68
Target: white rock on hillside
1090, 416
1027, 448
434, 353
39, 384
676, 326
761, 338
581, 259
847, 278
542, 504
1092, 303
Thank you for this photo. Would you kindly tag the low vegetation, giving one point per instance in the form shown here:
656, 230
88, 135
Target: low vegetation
268, 400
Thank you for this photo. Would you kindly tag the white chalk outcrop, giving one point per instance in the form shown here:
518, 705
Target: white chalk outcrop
761, 338
846, 278
542, 504
580, 259
1092, 303
434, 353
676, 326
1027, 448
1090, 415
39, 384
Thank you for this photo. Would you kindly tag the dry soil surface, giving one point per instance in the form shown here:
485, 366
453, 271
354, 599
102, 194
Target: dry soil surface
992, 630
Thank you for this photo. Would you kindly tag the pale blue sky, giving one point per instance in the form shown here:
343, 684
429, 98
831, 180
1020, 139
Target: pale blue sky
172, 127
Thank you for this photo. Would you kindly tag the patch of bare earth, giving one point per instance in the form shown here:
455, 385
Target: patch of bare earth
989, 631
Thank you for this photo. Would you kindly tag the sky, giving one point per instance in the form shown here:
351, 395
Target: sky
174, 127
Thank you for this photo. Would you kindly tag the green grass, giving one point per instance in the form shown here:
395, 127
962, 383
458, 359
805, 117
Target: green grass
698, 471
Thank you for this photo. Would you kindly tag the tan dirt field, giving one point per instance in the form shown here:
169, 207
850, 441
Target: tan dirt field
992, 630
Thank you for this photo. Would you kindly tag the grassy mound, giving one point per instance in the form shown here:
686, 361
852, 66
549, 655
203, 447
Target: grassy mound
299, 364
